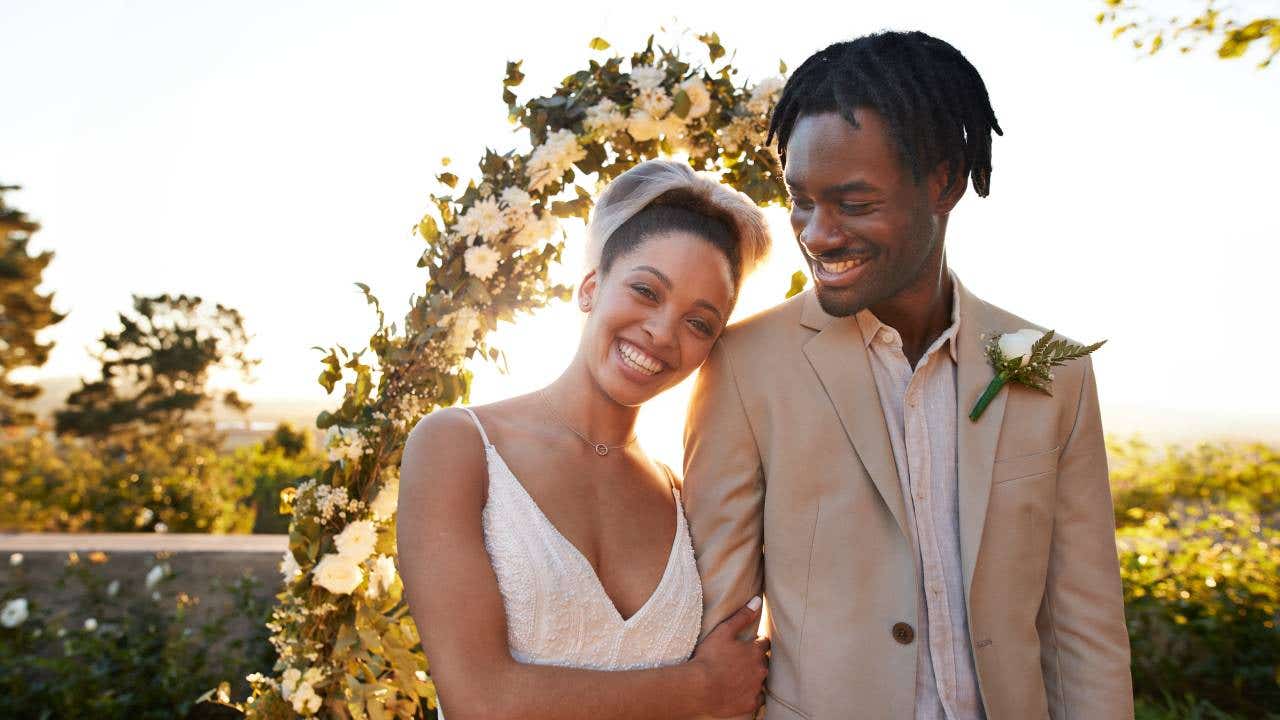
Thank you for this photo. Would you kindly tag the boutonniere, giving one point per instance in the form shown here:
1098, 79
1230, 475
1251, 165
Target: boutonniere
1025, 357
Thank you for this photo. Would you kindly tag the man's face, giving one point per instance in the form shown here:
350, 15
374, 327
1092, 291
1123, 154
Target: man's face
867, 229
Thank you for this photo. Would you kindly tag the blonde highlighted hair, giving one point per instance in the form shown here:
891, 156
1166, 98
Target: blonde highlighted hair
664, 182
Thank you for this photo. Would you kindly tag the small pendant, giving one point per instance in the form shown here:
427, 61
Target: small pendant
602, 449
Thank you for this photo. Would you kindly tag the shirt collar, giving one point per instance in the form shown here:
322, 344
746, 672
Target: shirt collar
870, 325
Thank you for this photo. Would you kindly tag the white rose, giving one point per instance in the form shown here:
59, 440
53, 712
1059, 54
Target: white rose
338, 574
646, 77
481, 261
113, 588
699, 97
304, 700
604, 118
642, 126
289, 566
384, 571
90, 624
15, 559
1018, 344
161, 527
384, 505
289, 682
156, 574
15, 613
357, 539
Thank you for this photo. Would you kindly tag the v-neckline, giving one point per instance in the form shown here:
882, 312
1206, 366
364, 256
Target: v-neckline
582, 558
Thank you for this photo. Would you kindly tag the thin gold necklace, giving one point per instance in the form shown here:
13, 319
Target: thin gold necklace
600, 448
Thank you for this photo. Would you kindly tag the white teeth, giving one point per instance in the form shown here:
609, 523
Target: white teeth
839, 267
638, 359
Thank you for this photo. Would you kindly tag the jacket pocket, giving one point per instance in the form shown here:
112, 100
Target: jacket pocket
1024, 466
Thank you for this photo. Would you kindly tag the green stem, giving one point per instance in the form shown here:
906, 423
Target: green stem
988, 395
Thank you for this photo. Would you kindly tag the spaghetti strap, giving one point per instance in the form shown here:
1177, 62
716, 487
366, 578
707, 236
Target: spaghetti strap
671, 477
479, 427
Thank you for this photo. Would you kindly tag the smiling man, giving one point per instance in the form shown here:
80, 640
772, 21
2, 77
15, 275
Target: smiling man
915, 563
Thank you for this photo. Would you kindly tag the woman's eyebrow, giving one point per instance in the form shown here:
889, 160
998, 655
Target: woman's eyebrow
709, 306
649, 268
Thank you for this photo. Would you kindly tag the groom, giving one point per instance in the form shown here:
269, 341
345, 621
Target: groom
915, 563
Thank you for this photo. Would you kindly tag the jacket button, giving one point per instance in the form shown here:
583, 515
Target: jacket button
903, 633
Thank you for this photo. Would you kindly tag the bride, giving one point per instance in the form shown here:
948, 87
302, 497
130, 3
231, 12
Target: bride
545, 557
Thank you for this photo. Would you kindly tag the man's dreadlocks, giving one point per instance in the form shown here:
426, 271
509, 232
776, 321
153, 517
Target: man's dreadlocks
932, 98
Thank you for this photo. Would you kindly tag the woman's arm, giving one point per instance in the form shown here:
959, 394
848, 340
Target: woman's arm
454, 599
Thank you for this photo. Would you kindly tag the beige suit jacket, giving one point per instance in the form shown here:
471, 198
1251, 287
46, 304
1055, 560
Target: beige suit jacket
791, 488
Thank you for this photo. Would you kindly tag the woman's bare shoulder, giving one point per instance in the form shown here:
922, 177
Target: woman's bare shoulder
445, 456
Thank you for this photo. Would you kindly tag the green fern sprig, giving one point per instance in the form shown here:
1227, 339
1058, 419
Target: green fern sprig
1035, 371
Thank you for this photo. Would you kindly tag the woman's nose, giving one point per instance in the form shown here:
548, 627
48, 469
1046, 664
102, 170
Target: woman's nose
661, 330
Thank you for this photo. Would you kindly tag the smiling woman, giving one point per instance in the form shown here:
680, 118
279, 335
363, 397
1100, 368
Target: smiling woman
572, 501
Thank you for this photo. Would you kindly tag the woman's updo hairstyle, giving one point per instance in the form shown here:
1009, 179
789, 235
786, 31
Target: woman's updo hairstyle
663, 196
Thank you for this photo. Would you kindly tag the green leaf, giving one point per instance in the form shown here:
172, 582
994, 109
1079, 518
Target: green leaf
798, 280
681, 105
782, 67
599, 43
428, 229
514, 76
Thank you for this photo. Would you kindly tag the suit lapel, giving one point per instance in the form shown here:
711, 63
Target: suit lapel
976, 441
839, 357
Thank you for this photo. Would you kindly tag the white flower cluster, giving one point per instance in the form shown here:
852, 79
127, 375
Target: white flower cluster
738, 135
324, 502
344, 444
604, 119
296, 687
550, 160
519, 213
765, 94
484, 220
463, 324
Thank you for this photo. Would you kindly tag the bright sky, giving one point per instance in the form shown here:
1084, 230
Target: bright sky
268, 156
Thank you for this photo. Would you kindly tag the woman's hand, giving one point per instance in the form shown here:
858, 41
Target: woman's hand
735, 669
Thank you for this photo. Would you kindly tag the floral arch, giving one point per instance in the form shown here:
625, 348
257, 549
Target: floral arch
347, 645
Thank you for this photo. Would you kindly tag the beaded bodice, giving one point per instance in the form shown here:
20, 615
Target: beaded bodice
558, 612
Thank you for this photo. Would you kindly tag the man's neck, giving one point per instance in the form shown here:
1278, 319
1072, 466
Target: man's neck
920, 312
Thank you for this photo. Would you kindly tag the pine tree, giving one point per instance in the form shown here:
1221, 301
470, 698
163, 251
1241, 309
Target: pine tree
155, 370
23, 312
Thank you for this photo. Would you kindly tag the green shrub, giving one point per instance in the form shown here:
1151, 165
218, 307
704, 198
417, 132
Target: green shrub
166, 483
1200, 561
139, 652
178, 483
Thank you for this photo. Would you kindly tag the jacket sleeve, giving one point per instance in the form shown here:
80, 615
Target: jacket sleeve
723, 492
1083, 638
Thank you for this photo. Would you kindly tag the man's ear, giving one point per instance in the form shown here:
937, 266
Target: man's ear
945, 198
587, 291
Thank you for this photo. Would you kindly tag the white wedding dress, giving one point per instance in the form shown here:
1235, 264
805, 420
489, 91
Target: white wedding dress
557, 611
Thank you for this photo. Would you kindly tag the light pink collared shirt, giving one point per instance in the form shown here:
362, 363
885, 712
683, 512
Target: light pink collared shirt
920, 410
